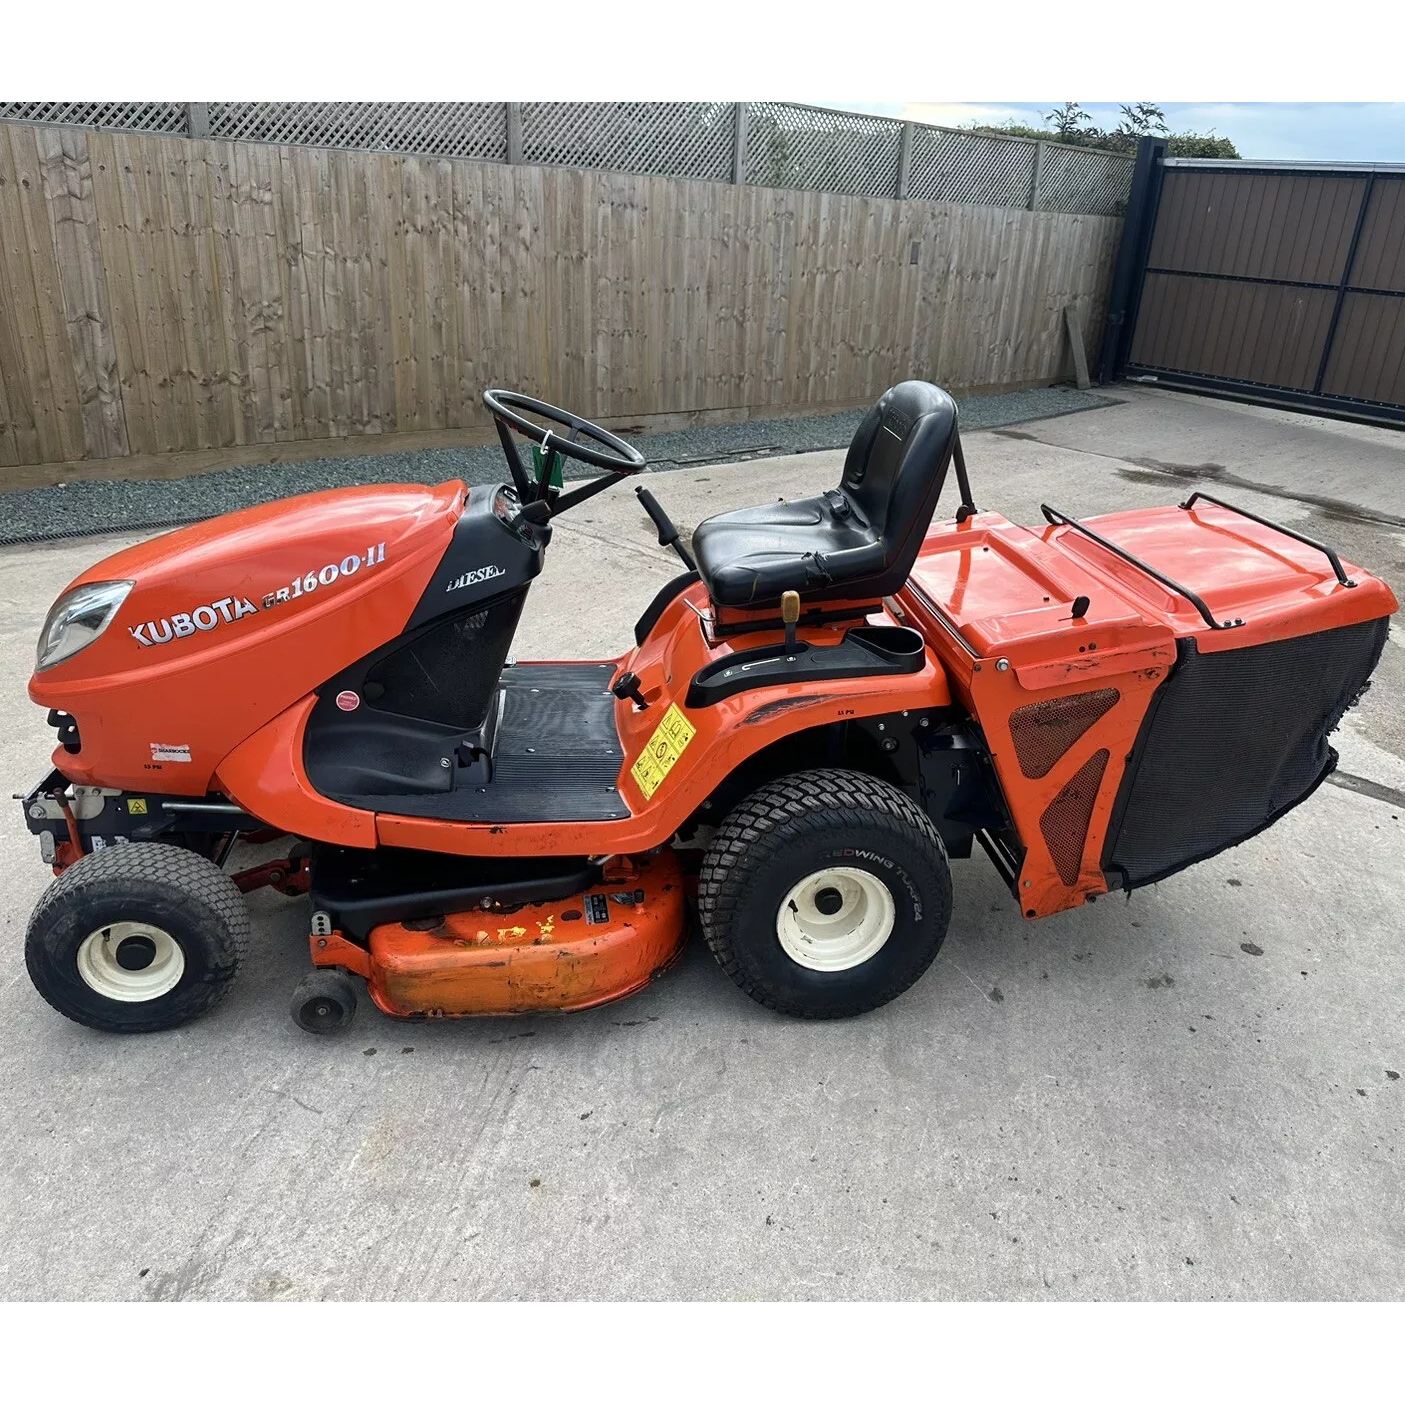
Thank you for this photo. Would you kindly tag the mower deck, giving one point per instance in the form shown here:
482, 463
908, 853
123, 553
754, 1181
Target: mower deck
569, 953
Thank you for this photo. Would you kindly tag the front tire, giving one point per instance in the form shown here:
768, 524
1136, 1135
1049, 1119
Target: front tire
137, 937
825, 894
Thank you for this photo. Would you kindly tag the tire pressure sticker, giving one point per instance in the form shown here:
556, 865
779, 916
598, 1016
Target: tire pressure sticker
669, 742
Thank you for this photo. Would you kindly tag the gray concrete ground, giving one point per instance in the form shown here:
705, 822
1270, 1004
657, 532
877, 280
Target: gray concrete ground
1118, 1102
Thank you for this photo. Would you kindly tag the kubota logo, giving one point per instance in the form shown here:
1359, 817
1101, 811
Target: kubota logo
203, 617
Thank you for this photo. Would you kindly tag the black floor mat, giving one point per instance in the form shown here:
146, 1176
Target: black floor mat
556, 758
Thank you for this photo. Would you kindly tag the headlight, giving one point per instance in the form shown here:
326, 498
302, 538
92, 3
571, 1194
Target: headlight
77, 618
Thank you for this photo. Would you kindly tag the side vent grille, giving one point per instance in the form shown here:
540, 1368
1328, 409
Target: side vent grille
1043, 731
1064, 823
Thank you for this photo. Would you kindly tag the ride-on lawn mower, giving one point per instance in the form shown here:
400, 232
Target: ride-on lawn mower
831, 699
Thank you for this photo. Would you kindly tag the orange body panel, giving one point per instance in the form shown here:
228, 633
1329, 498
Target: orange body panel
261, 777
266, 776
204, 652
207, 677
544, 956
995, 603
727, 733
1279, 587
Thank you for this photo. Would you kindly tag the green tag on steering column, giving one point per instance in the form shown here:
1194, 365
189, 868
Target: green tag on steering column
537, 464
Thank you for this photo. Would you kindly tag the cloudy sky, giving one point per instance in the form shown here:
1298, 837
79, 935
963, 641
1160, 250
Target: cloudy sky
1316, 131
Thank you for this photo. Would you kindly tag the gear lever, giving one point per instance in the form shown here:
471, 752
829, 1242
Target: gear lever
790, 616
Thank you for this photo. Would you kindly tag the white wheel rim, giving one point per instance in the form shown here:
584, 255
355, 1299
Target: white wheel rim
835, 919
102, 970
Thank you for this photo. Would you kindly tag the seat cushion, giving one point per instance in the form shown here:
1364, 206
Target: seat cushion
855, 542
752, 556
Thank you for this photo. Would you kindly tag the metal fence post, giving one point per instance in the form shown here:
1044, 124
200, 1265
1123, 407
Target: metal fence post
1129, 271
1038, 172
514, 133
197, 119
739, 144
904, 160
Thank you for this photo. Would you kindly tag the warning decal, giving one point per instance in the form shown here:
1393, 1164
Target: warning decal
670, 740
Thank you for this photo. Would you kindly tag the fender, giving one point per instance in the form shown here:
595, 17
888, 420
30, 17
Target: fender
266, 776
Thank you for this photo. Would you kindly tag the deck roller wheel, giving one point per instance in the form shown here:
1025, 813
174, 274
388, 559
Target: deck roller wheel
324, 1002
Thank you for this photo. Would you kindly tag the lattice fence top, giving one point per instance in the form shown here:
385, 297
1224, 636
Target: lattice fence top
786, 145
693, 140
1086, 182
129, 116
807, 148
970, 169
473, 129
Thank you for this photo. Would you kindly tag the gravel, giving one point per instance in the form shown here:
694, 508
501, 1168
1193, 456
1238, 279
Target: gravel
92, 508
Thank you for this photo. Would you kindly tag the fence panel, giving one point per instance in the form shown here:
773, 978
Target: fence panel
811, 148
468, 129
970, 169
1093, 182
688, 139
118, 116
161, 294
786, 145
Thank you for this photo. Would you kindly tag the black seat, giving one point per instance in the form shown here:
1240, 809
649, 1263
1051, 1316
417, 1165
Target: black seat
856, 542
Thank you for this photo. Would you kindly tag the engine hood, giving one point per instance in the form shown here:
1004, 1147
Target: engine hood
247, 553
230, 621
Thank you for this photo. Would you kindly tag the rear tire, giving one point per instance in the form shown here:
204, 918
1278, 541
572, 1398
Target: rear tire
825, 894
137, 937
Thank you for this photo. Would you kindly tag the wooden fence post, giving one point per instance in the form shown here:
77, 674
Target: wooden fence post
197, 119
904, 160
1074, 322
1038, 172
739, 145
514, 133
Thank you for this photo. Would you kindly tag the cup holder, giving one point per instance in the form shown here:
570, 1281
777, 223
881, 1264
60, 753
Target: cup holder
892, 642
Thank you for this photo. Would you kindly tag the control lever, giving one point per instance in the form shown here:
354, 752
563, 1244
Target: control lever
627, 686
790, 617
668, 533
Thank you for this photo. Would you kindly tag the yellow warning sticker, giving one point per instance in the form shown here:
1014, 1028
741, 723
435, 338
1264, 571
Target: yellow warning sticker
136, 807
669, 742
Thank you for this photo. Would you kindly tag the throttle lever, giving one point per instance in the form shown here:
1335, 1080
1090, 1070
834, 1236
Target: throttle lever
668, 533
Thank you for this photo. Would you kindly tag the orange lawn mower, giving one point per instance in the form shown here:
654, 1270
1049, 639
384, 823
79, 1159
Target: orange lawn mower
833, 699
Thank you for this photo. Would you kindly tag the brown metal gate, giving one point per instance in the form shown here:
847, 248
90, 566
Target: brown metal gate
1267, 281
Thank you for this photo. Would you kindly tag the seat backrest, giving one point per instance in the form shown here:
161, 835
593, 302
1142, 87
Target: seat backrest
895, 469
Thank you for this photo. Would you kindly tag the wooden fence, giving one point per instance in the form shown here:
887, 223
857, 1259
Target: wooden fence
160, 295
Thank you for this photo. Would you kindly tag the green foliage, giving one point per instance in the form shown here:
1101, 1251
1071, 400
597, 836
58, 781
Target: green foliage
1007, 129
1067, 119
1070, 124
1204, 144
1141, 119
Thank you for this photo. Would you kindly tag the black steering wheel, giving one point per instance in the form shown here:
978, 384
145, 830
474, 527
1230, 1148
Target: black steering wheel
613, 454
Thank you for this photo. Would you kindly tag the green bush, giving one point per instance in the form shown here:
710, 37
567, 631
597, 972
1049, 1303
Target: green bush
1068, 123
1205, 144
